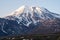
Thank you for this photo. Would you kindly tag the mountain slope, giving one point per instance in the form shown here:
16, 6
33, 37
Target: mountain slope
30, 20
32, 15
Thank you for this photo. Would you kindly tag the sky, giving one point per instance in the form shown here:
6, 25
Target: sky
8, 6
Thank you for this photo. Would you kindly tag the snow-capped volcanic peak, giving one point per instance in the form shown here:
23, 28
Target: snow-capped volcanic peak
28, 15
33, 11
25, 9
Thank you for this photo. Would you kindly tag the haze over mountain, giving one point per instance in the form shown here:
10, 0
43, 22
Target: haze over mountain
30, 20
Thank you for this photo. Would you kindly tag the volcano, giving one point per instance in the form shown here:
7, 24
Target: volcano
30, 20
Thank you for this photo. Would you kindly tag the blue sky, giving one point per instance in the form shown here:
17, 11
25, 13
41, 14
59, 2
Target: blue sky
7, 6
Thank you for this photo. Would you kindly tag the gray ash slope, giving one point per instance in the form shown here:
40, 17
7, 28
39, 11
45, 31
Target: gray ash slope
30, 20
